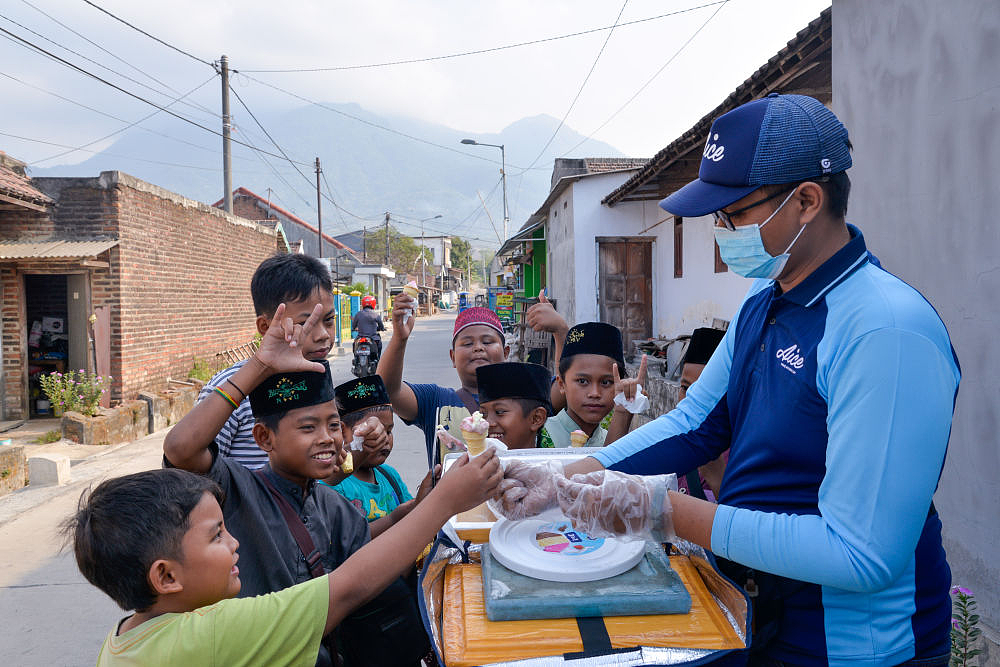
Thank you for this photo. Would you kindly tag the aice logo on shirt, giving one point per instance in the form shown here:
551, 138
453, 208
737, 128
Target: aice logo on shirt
713, 151
790, 358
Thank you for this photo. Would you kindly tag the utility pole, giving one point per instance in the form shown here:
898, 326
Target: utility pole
319, 210
423, 259
503, 180
387, 238
227, 124
364, 243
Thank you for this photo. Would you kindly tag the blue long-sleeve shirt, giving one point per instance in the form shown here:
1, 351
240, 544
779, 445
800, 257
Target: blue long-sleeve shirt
836, 400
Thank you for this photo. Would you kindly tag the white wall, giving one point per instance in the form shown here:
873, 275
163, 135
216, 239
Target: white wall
680, 305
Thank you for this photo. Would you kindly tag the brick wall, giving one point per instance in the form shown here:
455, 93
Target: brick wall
178, 286
185, 282
25, 225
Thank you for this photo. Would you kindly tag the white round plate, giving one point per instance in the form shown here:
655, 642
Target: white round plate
550, 549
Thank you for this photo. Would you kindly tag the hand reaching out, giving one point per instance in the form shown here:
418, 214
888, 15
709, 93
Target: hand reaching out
606, 503
281, 346
543, 317
403, 306
629, 386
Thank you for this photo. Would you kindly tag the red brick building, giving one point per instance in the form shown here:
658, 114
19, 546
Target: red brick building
124, 277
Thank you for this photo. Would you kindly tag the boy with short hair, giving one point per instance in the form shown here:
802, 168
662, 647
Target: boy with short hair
514, 399
223, 414
589, 377
298, 425
156, 542
374, 487
477, 340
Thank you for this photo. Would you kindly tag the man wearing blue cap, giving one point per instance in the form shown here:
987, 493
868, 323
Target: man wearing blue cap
833, 389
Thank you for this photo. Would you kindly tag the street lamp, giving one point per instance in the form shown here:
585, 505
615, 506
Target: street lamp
423, 260
503, 178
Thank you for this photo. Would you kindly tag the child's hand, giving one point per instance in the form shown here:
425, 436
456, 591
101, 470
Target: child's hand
281, 346
428, 482
402, 306
373, 432
543, 317
629, 386
468, 483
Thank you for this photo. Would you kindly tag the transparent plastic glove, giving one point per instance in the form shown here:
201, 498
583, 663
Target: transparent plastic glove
527, 489
606, 503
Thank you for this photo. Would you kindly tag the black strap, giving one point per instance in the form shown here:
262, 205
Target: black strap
695, 489
468, 401
594, 634
392, 482
298, 529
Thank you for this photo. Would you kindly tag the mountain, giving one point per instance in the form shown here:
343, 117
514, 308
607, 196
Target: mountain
369, 170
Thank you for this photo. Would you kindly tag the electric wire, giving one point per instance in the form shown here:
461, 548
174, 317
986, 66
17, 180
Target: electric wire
152, 37
477, 52
67, 63
579, 91
175, 92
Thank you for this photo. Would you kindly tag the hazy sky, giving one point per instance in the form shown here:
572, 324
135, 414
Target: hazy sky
476, 93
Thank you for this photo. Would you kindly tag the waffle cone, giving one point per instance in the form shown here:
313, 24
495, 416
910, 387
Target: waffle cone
348, 464
475, 442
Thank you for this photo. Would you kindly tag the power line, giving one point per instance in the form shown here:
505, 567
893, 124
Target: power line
580, 90
649, 81
155, 39
477, 52
102, 66
119, 88
119, 59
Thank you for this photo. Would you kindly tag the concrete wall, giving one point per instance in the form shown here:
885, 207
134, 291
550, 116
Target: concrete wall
561, 241
917, 82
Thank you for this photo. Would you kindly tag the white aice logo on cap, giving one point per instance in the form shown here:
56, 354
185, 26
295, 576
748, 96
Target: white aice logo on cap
713, 152
790, 358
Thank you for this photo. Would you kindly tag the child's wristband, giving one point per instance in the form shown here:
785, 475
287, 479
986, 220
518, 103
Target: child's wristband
226, 396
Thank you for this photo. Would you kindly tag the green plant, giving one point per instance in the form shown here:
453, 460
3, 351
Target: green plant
51, 436
78, 391
204, 369
355, 287
5, 473
964, 630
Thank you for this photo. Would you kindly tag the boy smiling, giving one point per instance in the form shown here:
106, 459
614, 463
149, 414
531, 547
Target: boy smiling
514, 399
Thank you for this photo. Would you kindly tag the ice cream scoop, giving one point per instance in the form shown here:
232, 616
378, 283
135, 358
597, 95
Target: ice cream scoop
410, 289
474, 429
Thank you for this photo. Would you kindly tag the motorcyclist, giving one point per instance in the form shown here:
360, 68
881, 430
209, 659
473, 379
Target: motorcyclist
367, 322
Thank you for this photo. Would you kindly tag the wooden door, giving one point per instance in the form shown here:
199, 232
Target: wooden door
625, 286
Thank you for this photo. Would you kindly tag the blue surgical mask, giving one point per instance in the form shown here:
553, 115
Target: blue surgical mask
742, 249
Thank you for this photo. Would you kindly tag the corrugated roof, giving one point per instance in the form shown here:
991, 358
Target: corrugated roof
16, 186
53, 249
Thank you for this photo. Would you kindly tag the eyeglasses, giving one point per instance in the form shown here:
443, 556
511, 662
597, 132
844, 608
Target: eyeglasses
727, 218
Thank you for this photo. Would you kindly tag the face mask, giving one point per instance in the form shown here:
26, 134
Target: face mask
742, 249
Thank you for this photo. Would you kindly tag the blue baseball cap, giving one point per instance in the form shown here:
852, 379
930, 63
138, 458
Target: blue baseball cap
770, 141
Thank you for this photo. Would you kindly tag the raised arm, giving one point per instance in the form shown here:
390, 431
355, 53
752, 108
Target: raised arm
390, 365
186, 446
542, 316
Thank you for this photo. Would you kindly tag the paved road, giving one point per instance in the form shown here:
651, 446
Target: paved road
49, 615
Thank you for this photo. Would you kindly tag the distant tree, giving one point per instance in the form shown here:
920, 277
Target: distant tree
404, 252
355, 287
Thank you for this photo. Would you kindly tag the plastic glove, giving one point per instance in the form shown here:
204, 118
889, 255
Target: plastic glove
527, 489
607, 503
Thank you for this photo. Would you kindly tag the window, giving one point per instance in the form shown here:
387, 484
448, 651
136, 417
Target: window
678, 247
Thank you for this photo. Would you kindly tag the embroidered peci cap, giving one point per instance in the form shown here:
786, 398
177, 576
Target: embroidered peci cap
287, 391
477, 315
595, 338
364, 392
514, 380
775, 140
702, 344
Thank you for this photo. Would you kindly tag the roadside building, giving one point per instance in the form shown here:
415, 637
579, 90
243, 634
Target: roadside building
121, 277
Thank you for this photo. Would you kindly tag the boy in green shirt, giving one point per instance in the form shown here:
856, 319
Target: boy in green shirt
156, 543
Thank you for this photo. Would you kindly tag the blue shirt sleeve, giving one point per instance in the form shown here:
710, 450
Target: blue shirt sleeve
890, 394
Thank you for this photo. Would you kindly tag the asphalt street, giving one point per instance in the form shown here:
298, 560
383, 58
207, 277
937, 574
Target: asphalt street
49, 615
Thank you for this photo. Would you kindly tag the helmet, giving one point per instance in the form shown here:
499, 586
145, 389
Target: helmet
368, 301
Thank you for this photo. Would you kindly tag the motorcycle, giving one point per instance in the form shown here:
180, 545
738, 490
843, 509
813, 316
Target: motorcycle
365, 356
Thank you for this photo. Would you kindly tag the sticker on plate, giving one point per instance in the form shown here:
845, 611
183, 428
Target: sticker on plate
560, 537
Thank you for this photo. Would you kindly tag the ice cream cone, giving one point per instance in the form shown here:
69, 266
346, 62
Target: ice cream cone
577, 439
348, 464
474, 442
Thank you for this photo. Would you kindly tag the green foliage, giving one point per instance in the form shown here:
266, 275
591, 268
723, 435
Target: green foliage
204, 369
404, 252
355, 287
965, 632
78, 391
50, 436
